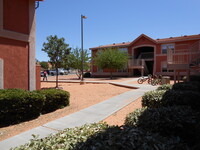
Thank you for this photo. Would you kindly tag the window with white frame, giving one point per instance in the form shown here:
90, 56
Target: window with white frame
165, 47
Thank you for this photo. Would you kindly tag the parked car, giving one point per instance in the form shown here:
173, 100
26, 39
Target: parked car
60, 72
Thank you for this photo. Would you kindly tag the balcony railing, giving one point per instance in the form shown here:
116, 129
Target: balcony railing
184, 56
136, 62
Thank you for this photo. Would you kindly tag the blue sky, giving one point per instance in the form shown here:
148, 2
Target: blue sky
114, 21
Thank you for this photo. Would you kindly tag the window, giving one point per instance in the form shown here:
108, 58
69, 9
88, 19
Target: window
167, 46
125, 50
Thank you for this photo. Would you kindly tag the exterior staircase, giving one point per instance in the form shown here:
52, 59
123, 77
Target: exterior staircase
184, 59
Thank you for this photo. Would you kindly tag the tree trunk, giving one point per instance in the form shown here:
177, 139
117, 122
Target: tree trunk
111, 75
56, 77
78, 73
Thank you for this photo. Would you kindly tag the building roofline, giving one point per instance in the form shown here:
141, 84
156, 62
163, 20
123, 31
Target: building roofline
124, 44
179, 39
143, 35
156, 41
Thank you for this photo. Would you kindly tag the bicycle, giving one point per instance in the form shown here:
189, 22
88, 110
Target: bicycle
157, 80
143, 79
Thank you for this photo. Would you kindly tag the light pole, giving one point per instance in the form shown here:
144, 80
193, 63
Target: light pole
82, 53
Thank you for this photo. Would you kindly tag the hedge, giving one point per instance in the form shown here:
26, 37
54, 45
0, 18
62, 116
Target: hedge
178, 97
187, 86
99, 136
167, 121
153, 99
128, 138
165, 87
133, 117
17, 105
55, 99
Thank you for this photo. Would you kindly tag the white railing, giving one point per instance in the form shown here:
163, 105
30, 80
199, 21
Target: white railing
136, 62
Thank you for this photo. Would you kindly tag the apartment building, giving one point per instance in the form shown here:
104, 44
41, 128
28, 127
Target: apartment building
173, 56
17, 45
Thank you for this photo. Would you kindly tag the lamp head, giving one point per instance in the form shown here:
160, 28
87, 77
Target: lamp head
84, 17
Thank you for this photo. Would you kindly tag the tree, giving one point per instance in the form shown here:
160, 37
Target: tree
111, 59
57, 51
44, 65
74, 60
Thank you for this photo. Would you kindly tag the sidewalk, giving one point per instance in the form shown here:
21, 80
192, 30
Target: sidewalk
91, 114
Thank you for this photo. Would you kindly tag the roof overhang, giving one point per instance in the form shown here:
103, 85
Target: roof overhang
112, 46
145, 36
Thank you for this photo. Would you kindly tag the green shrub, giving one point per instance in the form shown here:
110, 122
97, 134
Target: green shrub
167, 121
186, 86
153, 99
55, 99
178, 97
18, 105
128, 138
165, 87
99, 136
66, 139
132, 118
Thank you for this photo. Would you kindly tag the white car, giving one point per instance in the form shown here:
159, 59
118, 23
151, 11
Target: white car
60, 72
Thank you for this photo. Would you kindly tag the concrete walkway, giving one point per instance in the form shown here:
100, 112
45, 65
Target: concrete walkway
94, 113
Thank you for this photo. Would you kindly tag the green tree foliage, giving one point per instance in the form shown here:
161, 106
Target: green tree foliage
44, 65
111, 59
57, 51
74, 60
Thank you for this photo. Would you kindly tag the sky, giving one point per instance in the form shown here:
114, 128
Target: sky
114, 21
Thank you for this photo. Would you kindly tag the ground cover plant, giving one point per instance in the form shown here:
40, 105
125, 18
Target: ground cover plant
100, 136
66, 139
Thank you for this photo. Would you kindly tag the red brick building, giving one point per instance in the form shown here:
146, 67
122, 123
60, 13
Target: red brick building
17, 45
170, 56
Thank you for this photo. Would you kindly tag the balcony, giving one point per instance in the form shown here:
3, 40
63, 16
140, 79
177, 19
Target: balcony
136, 63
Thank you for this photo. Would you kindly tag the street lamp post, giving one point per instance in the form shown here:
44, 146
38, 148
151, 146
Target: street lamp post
82, 53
